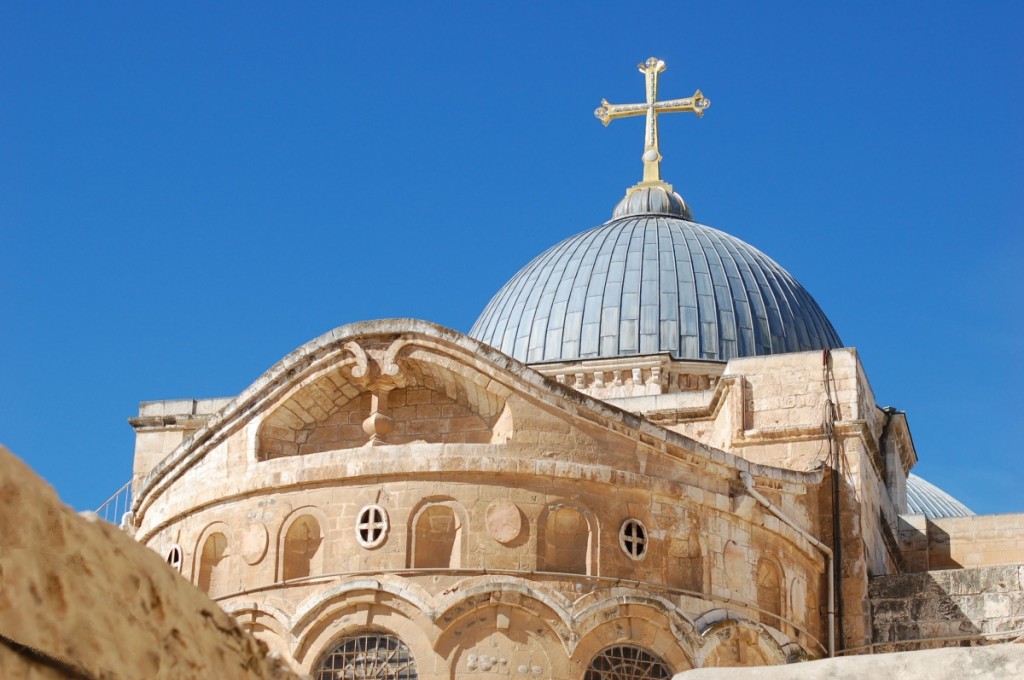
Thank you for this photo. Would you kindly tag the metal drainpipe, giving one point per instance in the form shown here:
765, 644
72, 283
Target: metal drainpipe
883, 439
748, 485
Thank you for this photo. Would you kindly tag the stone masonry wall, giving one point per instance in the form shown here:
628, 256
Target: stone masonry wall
976, 541
911, 611
954, 542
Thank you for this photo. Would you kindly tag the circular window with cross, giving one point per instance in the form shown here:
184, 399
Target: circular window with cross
633, 538
371, 526
174, 557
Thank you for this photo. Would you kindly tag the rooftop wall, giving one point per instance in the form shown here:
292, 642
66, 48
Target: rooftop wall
953, 542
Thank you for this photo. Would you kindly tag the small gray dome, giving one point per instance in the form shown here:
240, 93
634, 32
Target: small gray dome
924, 498
648, 284
657, 200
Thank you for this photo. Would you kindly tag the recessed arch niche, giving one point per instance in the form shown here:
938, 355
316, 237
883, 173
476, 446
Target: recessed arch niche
437, 535
212, 563
301, 544
567, 539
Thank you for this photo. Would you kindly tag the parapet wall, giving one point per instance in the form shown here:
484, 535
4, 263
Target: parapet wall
955, 542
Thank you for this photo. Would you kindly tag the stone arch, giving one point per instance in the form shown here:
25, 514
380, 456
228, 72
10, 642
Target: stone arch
734, 642
366, 654
355, 620
438, 405
567, 539
389, 604
437, 534
505, 628
265, 622
427, 398
212, 563
627, 662
478, 411
484, 591
301, 544
770, 597
639, 626
323, 413
686, 566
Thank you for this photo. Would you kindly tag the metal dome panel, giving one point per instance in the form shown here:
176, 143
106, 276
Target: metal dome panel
924, 498
649, 284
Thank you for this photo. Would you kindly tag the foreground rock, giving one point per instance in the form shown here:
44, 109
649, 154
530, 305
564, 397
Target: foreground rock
952, 663
80, 599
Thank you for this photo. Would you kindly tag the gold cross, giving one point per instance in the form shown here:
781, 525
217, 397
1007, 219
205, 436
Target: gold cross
652, 156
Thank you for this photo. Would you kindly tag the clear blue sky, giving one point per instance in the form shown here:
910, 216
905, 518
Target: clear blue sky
189, 191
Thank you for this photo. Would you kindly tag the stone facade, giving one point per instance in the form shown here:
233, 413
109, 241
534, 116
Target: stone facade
396, 483
402, 479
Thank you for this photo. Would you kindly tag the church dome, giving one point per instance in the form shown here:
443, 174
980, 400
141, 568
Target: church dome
924, 498
652, 281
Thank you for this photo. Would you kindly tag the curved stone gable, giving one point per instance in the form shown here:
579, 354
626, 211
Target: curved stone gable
482, 376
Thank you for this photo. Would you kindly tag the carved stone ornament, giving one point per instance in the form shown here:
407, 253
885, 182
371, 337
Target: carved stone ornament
504, 521
254, 543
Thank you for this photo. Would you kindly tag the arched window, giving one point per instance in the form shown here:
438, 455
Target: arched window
367, 655
627, 662
213, 564
769, 592
438, 538
301, 546
565, 543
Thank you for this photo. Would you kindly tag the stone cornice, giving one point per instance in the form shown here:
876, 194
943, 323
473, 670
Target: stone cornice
861, 429
145, 423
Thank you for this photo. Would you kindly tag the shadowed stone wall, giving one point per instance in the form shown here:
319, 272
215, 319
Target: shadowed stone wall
908, 610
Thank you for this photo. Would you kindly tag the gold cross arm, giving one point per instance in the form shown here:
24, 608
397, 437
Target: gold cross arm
698, 103
609, 112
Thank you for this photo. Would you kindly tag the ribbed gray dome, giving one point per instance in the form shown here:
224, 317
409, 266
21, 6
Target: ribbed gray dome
657, 199
924, 498
649, 284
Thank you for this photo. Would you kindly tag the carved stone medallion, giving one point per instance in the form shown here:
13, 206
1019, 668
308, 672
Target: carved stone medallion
504, 521
254, 543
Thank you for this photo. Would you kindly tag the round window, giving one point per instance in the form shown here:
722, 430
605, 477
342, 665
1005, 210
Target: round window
174, 557
633, 538
371, 526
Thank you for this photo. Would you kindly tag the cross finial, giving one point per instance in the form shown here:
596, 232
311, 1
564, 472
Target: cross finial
652, 155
